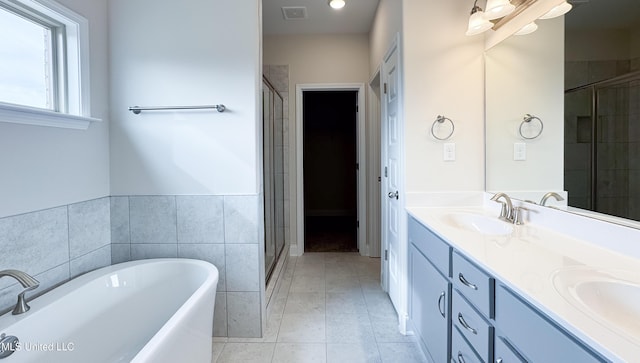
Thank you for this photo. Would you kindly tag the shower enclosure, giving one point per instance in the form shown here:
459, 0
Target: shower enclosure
273, 165
602, 146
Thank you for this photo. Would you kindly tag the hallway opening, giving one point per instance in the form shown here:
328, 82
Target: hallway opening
330, 171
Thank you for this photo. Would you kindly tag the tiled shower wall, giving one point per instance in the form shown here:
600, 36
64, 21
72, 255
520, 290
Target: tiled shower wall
60, 243
54, 245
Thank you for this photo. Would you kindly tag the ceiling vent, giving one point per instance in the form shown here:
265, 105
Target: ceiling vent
294, 12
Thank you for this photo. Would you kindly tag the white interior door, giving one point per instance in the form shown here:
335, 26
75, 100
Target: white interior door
391, 177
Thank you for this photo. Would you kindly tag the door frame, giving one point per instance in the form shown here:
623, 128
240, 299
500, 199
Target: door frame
402, 304
360, 150
374, 192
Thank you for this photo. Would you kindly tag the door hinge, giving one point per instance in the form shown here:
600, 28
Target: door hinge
379, 179
386, 172
357, 224
386, 255
385, 88
357, 166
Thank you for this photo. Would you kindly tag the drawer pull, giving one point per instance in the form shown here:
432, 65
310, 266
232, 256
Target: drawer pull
466, 282
440, 299
460, 358
465, 325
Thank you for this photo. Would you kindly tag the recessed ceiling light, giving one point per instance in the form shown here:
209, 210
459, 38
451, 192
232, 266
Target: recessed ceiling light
337, 4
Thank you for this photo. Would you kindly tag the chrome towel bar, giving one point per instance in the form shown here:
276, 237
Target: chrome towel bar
137, 109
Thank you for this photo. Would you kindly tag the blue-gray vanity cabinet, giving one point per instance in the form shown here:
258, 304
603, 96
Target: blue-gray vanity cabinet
534, 336
450, 297
429, 291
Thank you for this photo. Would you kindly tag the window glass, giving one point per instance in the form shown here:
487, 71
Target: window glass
26, 62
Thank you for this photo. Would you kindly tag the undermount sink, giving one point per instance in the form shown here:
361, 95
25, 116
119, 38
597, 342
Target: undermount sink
611, 299
478, 223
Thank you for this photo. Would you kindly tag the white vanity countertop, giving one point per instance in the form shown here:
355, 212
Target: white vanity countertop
532, 257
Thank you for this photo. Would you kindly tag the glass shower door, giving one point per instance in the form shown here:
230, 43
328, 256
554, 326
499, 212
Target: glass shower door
267, 124
274, 175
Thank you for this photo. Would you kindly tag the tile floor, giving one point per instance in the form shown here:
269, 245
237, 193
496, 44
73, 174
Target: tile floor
329, 308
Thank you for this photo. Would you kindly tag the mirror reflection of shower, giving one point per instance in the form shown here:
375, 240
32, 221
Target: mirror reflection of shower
602, 143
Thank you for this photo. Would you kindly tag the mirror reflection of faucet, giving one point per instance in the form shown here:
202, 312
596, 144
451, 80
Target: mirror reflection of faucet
555, 195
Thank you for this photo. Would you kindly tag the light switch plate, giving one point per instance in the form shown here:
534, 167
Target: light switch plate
519, 151
449, 152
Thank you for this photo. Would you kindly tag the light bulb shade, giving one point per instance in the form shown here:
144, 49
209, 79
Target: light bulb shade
557, 11
337, 4
527, 29
498, 8
477, 23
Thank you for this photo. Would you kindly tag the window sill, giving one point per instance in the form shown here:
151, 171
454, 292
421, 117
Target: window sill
39, 117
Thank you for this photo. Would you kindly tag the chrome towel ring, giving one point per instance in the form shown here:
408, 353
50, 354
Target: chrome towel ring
439, 121
527, 121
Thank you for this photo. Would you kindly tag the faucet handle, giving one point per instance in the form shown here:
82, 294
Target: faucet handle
517, 215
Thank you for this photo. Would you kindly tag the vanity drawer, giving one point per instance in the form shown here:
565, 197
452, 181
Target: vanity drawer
505, 354
430, 245
474, 284
461, 351
476, 330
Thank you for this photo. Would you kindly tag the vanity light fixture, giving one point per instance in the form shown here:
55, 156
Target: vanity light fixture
477, 21
498, 8
557, 10
337, 4
527, 29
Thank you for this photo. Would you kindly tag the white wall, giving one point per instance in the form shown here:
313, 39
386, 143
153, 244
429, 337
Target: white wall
318, 58
525, 74
443, 75
44, 167
196, 52
386, 24
342, 58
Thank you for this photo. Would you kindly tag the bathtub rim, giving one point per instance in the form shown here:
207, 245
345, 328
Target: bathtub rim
43, 300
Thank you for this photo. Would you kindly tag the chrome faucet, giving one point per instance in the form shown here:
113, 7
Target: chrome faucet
506, 213
549, 195
28, 282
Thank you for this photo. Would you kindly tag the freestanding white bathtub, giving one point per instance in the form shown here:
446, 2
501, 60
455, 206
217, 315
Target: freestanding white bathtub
141, 311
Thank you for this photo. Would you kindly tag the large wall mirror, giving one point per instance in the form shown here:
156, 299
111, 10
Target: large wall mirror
585, 90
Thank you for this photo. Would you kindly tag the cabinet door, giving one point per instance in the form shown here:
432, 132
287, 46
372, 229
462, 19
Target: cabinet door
430, 305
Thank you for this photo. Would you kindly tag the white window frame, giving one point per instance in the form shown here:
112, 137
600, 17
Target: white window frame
73, 69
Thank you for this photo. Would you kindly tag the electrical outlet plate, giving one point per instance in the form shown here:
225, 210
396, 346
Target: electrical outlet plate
519, 151
449, 153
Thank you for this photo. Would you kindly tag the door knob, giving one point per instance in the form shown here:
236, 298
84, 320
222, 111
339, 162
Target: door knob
393, 194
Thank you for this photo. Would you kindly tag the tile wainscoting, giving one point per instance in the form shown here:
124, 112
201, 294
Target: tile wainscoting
54, 245
57, 244
220, 229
